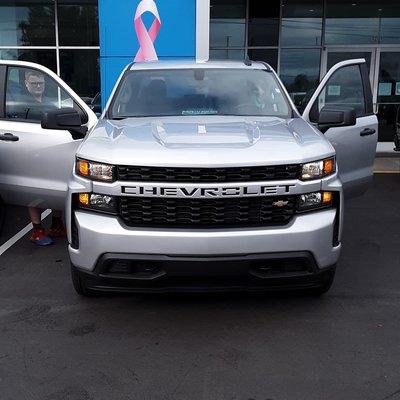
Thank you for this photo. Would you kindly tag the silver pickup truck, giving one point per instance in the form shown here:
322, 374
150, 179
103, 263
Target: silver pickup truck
197, 176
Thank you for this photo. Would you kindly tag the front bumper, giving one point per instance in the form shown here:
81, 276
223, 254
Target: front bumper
159, 274
101, 234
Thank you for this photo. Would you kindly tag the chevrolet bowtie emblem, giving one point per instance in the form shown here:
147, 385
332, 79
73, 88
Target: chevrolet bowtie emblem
280, 203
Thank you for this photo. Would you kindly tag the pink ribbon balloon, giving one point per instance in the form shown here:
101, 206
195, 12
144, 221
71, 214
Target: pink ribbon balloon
146, 39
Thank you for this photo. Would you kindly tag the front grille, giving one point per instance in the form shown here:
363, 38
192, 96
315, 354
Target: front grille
207, 175
207, 213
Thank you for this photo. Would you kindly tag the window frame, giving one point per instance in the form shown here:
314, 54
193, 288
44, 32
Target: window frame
368, 98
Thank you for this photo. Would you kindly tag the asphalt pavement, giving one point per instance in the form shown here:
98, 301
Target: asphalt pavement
345, 345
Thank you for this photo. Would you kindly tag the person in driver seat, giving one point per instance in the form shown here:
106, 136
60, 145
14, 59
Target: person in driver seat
33, 95
35, 85
261, 98
35, 91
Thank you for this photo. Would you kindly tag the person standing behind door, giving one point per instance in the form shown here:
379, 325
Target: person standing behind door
35, 86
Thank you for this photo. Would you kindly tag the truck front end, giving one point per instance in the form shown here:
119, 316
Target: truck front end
184, 196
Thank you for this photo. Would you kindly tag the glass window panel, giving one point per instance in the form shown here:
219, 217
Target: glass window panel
301, 23
390, 30
43, 57
299, 71
27, 23
389, 78
389, 12
344, 88
80, 70
228, 23
264, 23
30, 93
269, 56
78, 23
227, 54
338, 56
352, 22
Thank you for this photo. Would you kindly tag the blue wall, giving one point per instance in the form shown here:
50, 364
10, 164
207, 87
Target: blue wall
119, 44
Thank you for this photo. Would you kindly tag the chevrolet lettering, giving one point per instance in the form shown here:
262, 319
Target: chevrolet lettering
198, 176
208, 192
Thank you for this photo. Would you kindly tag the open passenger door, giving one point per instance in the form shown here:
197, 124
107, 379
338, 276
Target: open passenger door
346, 89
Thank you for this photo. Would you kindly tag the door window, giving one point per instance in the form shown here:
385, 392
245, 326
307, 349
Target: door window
344, 88
30, 93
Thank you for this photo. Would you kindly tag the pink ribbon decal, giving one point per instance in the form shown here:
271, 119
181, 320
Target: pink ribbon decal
146, 39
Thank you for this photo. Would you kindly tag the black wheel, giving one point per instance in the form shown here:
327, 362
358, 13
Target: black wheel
327, 281
80, 285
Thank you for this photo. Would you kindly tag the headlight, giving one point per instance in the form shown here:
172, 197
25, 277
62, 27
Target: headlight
318, 169
315, 200
95, 171
97, 202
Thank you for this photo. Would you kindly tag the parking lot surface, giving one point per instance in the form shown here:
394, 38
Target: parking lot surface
345, 345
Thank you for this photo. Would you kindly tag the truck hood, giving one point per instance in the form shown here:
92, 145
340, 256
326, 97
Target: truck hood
207, 141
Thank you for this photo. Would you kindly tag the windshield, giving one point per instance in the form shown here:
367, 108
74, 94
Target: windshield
191, 92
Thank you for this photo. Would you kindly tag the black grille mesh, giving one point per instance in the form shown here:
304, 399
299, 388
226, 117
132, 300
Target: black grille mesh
207, 213
236, 174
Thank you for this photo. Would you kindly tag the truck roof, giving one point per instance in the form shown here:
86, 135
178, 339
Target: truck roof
183, 64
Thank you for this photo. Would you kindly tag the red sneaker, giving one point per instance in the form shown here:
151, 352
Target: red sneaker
40, 238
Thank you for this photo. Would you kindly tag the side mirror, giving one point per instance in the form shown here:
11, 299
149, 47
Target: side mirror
332, 117
66, 119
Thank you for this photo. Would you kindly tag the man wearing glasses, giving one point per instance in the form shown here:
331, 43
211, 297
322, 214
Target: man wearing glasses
35, 85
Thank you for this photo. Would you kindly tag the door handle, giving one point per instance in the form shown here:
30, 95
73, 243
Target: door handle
367, 132
9, 137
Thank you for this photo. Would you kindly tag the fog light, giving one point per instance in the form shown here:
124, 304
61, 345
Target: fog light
98, 202
315, 200
310, 200
84, 199
326, 197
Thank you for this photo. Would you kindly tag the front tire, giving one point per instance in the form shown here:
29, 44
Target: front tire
80, 284
327, 282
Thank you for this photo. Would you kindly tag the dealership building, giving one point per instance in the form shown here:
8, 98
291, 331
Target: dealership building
87, 42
